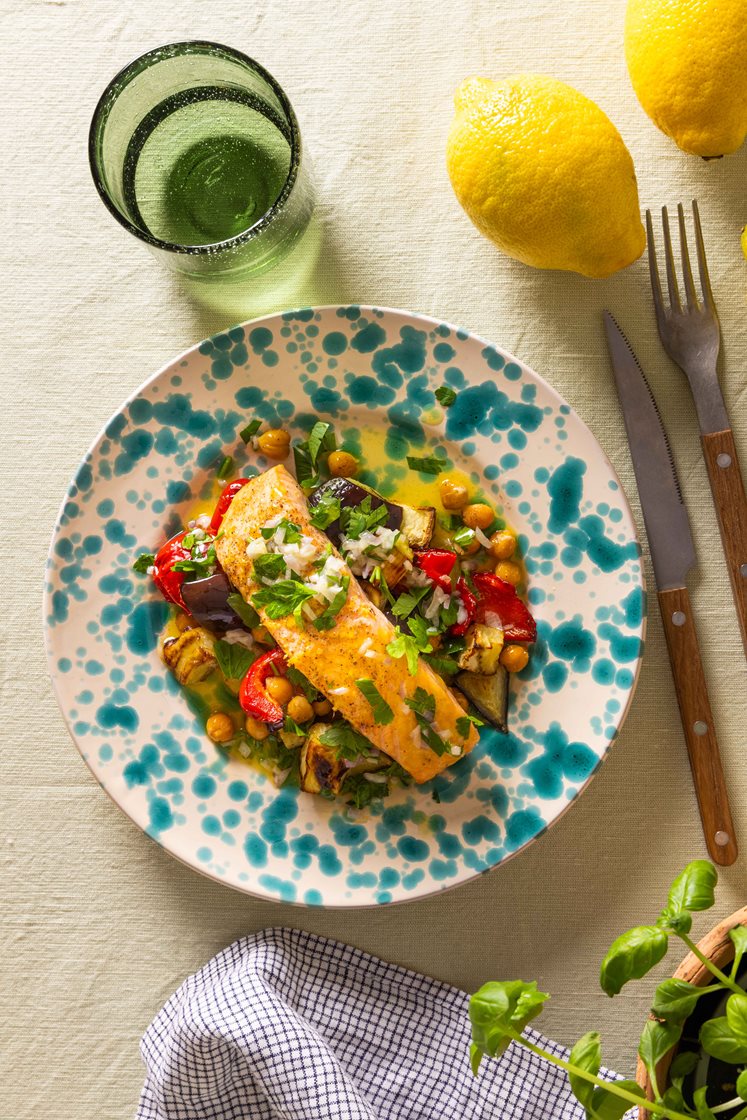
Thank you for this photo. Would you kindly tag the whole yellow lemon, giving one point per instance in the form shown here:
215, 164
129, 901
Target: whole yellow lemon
543, 172
688, 64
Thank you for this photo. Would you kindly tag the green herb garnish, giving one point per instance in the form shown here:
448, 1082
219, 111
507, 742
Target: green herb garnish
269, 566
250, 430
144, 561
466, 721
200, 564
292, 532
300, 681
246, 613
346, 741
382, 713
464, 538
445, 395
225, 470
407, 602
356, 520
233, 659
360, 792
430, 464
326, 510
423, 704
326, 619
283, 598
444, 666
321, 439
410, 645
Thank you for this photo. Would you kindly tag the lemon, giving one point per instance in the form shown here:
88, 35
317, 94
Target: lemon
688, 64
545, 174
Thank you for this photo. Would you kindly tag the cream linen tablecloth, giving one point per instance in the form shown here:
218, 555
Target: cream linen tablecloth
99, 924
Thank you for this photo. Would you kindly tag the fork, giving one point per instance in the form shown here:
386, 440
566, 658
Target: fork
691, 337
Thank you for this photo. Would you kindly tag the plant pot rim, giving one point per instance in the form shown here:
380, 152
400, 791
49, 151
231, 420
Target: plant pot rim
718, 947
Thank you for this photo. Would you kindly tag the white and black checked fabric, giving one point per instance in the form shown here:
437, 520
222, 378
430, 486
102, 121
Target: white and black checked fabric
285, 1025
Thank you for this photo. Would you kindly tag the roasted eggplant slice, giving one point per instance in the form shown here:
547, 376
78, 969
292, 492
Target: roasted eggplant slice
322, 769
482, 649
207, 602
191, 656
416, 525
489, 694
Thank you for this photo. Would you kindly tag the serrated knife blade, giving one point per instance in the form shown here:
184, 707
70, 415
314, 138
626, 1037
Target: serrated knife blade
667, 524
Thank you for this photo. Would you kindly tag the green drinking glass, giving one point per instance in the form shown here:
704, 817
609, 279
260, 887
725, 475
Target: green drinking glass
195, 149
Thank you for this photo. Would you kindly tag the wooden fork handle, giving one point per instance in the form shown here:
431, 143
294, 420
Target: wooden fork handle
697, 723
731, 508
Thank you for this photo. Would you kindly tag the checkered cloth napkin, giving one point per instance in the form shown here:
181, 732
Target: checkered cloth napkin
285, 1025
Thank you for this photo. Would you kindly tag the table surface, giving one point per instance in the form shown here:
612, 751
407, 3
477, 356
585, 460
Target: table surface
100, 925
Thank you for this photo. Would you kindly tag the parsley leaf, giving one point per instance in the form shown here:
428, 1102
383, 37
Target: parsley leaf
326, 619
444, 666
382, 713
200, 564
430, 464
419, 630
326, 510
321, 438
300, 681
144, 561
305, 472
423, 703
346, 741
445, 395
269, 566
410, 646
464, 723
285, 597
407, 602
291, 531
246, 613
360, 792
233, 659
356, 520
250, 430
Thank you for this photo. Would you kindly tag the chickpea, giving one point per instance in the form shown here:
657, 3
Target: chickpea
461, 699
342, 464
275, 443
502, 544
279, 689
453, 495
514, 658
478, 515
300, 710
321, 707
262, 635
256, 728
509, 571
220, 727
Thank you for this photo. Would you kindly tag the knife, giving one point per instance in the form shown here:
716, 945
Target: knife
673, 556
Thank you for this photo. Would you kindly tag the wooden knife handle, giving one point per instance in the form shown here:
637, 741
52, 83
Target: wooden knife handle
697, 723
731, 507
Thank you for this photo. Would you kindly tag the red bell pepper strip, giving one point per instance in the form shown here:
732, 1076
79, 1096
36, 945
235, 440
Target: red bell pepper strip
497, 597
252, 695
169, 582
469, 602
437, 564
227, 496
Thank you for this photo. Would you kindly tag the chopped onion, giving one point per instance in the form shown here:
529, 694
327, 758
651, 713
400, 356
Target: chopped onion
484, 541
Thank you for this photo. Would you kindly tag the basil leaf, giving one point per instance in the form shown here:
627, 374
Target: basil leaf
305, 472
675, 1000
326, 619
382, 713
738, 936
631, 956
144, 561
742, 1085
321, 438
587, 1055
233, 659
407, 602
269, 566
718, 1039
250, 430
607, 1105
693, 889
445, 395
736, 1016
246, 613
701, 1107
500, 1009
429, 464
657, 1040
326, 510
683, 1064
285, 597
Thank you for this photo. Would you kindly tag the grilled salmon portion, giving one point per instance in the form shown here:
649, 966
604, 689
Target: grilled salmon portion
354, 649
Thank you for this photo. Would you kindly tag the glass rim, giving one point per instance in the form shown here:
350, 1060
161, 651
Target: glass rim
211, 247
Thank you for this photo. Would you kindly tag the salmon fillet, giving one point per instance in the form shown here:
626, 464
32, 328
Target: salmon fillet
353, 649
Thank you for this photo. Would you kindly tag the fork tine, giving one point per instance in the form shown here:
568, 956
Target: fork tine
692, 299
705, 282
653, 269
674, 292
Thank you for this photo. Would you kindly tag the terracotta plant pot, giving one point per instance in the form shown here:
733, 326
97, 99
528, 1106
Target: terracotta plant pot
718, 948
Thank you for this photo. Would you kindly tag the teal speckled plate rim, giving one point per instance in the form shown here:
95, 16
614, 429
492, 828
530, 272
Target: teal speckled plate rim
359, 366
